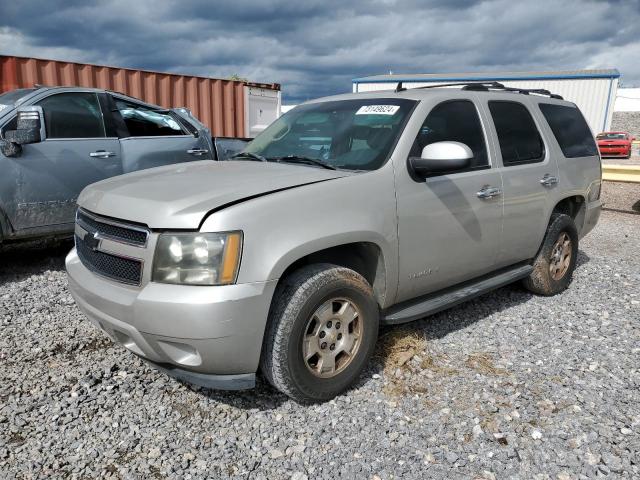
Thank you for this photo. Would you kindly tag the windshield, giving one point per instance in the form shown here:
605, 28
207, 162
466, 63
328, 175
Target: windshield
10, 98
349, 134
611, 136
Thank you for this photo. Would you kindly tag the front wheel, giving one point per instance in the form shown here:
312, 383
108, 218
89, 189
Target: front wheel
322, 330
553, 266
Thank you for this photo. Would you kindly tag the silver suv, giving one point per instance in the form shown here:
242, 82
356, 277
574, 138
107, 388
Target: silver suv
346, 213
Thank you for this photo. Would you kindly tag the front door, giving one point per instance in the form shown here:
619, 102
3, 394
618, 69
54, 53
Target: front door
449, 226
75, 153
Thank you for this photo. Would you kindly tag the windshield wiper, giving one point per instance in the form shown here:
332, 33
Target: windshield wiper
250, 156
301, 159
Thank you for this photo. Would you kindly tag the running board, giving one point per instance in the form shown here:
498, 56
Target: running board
437, 302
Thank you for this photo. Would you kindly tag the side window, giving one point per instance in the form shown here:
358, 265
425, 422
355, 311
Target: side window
456, 121
142, 121
73, 115
570, 129
520, 141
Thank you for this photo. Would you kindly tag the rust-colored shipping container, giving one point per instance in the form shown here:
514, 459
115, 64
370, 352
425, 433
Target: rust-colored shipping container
225, 106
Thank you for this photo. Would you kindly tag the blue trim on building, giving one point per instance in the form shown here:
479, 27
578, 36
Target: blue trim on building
486, 78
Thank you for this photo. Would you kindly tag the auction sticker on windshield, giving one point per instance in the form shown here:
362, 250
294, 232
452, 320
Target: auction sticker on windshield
378, 110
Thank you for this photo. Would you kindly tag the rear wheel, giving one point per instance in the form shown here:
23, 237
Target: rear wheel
553, 266
322, 330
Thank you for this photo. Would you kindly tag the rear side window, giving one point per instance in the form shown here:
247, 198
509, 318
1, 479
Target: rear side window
454, 121
142, 121
520, 141
570, 129
73, 115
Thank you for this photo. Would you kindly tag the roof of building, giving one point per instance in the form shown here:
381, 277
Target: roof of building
489, 76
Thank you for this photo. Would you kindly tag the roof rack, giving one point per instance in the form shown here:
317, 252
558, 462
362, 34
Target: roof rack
485, 87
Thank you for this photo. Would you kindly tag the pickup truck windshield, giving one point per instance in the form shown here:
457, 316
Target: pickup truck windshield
10, 98
349, 134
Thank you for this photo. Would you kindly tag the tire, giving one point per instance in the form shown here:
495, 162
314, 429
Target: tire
552, 269
306, 311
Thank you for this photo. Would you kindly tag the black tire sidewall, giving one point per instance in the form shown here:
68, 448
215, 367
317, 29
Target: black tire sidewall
324, 388
560, 224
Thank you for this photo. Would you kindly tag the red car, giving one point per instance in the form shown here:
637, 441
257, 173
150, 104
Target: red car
614, 144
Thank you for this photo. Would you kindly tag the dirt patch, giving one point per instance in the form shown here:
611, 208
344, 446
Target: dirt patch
483, 363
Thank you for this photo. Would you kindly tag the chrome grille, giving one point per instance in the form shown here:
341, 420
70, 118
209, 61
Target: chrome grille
125, 270
107, 228
104, 246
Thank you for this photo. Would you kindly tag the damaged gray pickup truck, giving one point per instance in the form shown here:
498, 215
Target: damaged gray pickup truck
54, 141
345, 213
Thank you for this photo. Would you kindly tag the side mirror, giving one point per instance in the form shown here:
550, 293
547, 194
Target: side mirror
441, 157
30, 128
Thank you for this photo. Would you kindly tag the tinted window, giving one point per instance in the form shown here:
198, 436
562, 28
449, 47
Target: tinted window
144, 121
520, 141
351, 134
570, 129
72, 115
454, 121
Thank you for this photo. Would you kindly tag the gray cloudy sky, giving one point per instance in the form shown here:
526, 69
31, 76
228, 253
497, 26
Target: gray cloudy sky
314, 48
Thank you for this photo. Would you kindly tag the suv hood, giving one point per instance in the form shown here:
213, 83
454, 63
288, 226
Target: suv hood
179, 196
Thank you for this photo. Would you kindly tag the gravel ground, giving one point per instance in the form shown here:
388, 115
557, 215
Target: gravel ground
506, 386
621, 197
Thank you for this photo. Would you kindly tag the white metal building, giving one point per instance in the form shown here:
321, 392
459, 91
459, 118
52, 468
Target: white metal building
594, 91
628, 100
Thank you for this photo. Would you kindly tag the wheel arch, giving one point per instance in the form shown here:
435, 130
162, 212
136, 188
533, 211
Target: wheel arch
574, 206
366, 257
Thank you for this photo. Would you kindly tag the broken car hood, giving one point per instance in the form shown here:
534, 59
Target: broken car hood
180, 196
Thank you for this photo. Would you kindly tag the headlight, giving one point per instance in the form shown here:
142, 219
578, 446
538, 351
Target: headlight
197, 258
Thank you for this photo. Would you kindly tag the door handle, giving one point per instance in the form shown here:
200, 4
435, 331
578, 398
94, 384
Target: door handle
549, 180
489, 192
102, 154
197, 151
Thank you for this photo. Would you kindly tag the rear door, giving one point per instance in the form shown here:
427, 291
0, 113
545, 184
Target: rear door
75, 153
530, 177
152, 137
448, 230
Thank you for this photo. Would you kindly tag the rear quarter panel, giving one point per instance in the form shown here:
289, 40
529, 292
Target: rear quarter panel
577, 176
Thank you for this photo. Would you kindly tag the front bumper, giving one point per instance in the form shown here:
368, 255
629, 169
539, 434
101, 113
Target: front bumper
614, 151
209, 336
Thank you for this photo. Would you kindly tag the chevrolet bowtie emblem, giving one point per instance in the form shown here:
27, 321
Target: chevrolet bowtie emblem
91, 240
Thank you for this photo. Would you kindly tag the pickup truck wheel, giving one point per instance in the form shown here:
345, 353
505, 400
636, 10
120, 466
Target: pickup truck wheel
322, 330
556, 260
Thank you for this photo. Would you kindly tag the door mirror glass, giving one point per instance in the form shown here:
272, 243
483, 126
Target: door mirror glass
441, 157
